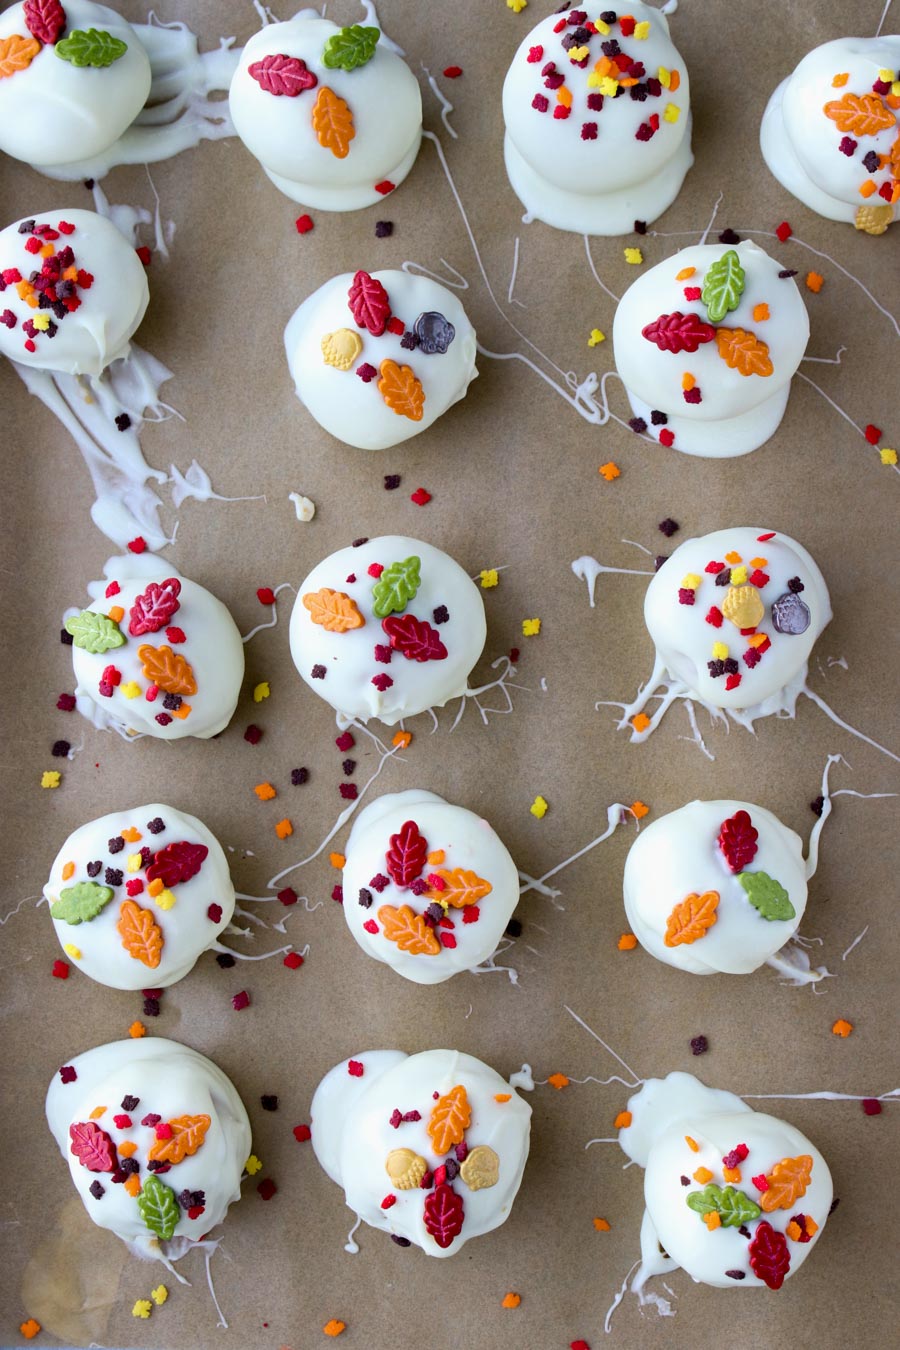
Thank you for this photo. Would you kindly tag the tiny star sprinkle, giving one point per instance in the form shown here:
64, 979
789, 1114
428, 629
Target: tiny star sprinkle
538, 808
596, 337
142, 1308
842, 1028
489, 578
634, 255
530, 628
50, 778
609, 471
261, 691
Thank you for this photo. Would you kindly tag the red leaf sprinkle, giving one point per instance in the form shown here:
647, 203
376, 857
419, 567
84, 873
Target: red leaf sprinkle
678, 332
406, 855
369, 304
414, 638
737, 840
93, 1147
154, 607
279, 74
444, 1214
770, 1259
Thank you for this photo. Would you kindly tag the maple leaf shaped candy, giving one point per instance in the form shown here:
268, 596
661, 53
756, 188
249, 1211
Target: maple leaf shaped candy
406, 856
859, 114
788, 1181
409, 930
333, 123
141, 936
770, 1259
451, 1116
461, 887
281, 75
737, 840
154, 607
678, 332
369, 304
414, 638
177, 863
690, 920
45, 20
444, 1214
93, 1147
188, 1134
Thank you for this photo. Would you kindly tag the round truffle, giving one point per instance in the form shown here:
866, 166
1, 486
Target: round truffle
378, 357
830, 131
735, 1197
137, 895
387, 629
74, 88
156, 654
72, 292
706, 344
156, 1138
333, 115
598, 121
713, 611
715, 887
428, 886
429, 1148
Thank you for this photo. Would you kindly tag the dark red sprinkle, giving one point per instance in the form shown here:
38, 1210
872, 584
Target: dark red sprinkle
384, 187
400, 1241
787, 272
395, 1120
195, 1210
345, 741
156, 825
163, 719
337, 894
381, 683
65, 638
637, 425
151, 1007
441, 614
659, 560
540, 103
176, 635
668, 527
871, 1105
365, 897
123, 422
514, 928
514, 655
268, 1102
383, 653
391, 481
288, 896
461, 1151
744, 1230
60, 749
144, 254
817, 806
349, 790
265, 595
302, 1133
113, 876
379, 881
384, 229
214, 912
253, 734
96, 1190
318, 672
240, 1001
666, 437
685, 595
68, 1075
129, 1103
699, 1045
471, 914
847, 145
151, 1120
93, 868
348, 765
685, 1181
139, 544
795, 586
729, 237
366, 372
299, 777
66, 702
834, 1204
735, 1274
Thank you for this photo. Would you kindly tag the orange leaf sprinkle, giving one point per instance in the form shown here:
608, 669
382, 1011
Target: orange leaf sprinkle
609, 471
337, 860
703, 1175
811, 1226
866, 189
155, 887
627, 942
334, 1327
601, 1225
690, 920
692, 1144
451, 1116
685, 274
712, 1220
141, 936
502, 1097
639, 810
674, 81
188, 1135
622, 1120
436, 858
859, 114
166, 669
117, 614
558, 1080
687, 381
133, 1185
640, 721
511, 1300
842, 1028
284, 828
126, 1148
333, 610
564, 96
840, 80
409, 930
744, 352
264, 791
137, 1030
97, 1112
131, 834
732, 1174
794, 1230
760, 313
401, 390
333, 123
30, 1328
402, 739
17, 53
757, 639
788, 1181
68, 870
182, 712
759, 562
732, 557
814, 282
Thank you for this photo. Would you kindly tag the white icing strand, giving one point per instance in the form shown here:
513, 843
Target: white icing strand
196, 484
456, 282
793, 962
857, 939
507, 670
512, 280
636, 1081
884, 14
522, 1079
695, 735
590, 1143
616, 815
370, 17
273, 622
594, 272
892, 1095
826, 360
446, 105
618, 1299
243, 956
715, 211
350, 1245
839, 721
265, 14
812, 851
589, 569
490, 966
38, 899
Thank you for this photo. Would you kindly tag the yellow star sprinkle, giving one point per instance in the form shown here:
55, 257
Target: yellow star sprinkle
489, 578
71, 950
596, 337
142, 1308
531, 627
252, 1165
159, 1294
672, 112
165, 899
516, 6
538, 808
642, 30
131, 689
50, 778
888, 456
634, 256
261, 691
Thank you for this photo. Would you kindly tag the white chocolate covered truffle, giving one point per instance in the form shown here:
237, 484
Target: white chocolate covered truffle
734, 616
156, 1138
137, 895
831, 131
706, 344
428, 886
77, 77
598, 120
333, 115
715, 887
430, 1147
72, 292
156, 654
378, 357
735, 1197
387, 629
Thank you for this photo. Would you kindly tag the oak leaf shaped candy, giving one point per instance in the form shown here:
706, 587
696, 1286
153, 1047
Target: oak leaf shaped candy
690, 920
281, 75
93, 1147
333, 610
405, 1168
154, 607
770, 1259
369, 304
461, 887
350, 48
677, 332
141, 936
406, 856
737, 840
733, 1207
481, 1168
444, 1214
788, 1181
414, 638
80, 903
159, 1208
451, 1116
94, 633
859, 114
333, 123
410, 931
45, 19
166, 669
723, 286
397, 585
401, 390
188, 1134
767, 895
341, 348
744, 352
91, 47
177, 863
17, 53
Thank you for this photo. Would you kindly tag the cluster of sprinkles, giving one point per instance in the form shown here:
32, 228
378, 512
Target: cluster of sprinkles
415, 868
693, 917
742, 605
614, 73
395, 587
53, 290
46, 22
431, 335
858, 120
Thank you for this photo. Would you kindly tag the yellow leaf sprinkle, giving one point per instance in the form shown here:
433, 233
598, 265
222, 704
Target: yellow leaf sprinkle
50, 778
601, 27
642, 30
41, 321
538, 808
261, 691
690, 582
720, 650
664, 76
133, 862
531, 627
131, 689
71, 950
489, 578
672, 112
886, 76
888, 456
516, 6
165, 899
634, 256
739, 575
252, 1165
609, 471
596, 337
579, 53
607, 85
142, 1308
159, 1294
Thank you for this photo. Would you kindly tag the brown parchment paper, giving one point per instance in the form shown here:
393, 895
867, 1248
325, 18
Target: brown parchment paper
513, 473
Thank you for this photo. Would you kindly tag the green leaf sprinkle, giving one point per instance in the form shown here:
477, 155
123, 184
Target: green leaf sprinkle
80, 903
767, 895
396, 586
159, 1208
723, 286
94, 632
350, 48
91, 47
732, 1206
